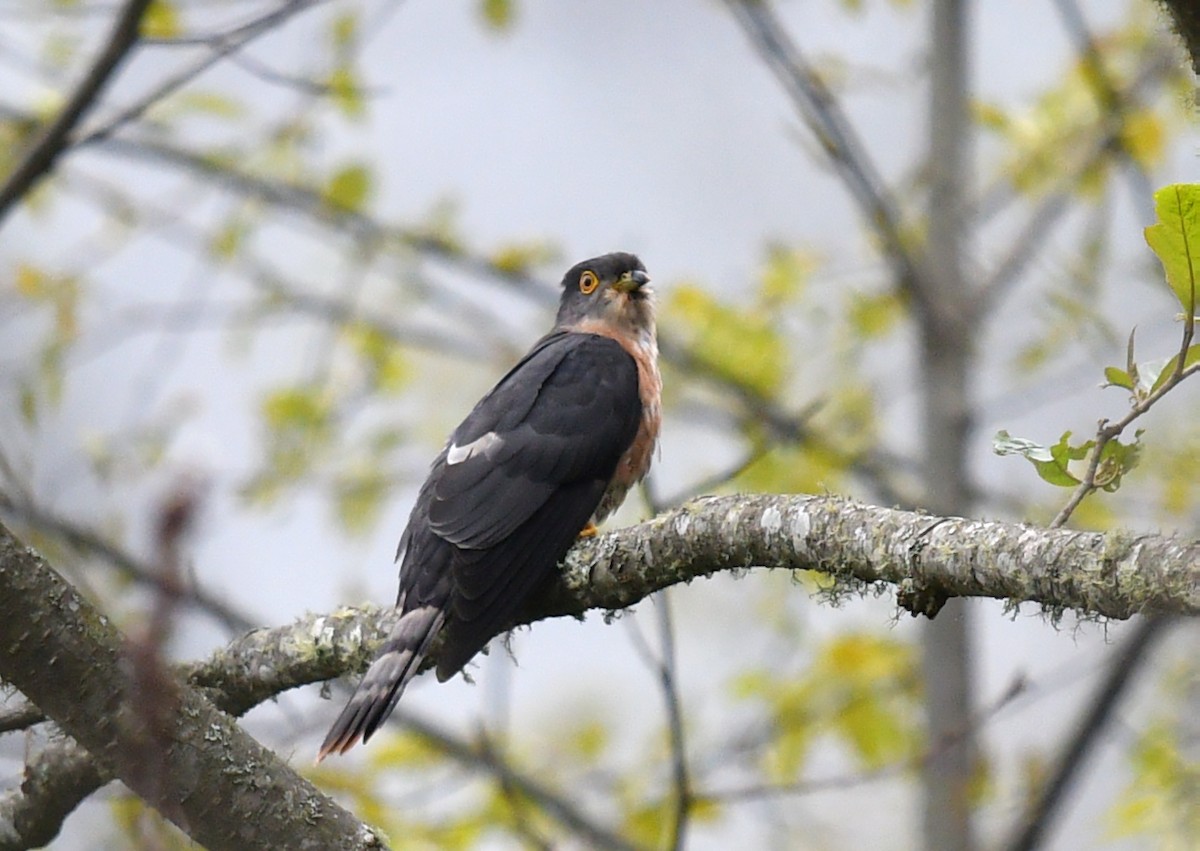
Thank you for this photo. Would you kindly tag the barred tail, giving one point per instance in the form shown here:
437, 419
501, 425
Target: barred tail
376, 695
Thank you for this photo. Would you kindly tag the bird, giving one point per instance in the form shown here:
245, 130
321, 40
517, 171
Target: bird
542, 458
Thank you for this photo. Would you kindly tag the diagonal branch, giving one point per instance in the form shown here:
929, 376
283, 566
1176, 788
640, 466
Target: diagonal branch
62, 654
1031, 831
45, 149
837, 138
1114, 575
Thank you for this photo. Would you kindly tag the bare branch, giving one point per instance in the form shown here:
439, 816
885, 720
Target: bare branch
54, 783
45, 149
86, 697
130, 567
222, 47
1038, 818
1113, 575
820, 111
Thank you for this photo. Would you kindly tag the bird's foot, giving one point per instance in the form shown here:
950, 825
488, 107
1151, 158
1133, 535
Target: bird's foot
589, 531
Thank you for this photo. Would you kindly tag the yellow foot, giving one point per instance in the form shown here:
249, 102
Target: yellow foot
589, 531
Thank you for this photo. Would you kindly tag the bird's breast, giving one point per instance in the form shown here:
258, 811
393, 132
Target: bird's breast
636, 460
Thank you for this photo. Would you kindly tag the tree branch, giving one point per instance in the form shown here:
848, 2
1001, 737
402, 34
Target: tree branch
40, 157
1113, 575
62, 654
1186, 15
837, 138
1031, 831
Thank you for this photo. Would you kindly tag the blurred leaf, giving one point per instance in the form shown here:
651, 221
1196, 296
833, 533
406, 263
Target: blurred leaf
520, 258
344, 30
348, 188
792, 469
31, 281
861, 688
28, 404
1143, 137
404, 750
786, 272
303, 410
228, 238
299, 424
588, 740
498, 14
1175, 238
359, 497
215, 104
1175, 462
1161, 799
991, 116
743, 346
387, 364
346, 92
161, 20
874, 315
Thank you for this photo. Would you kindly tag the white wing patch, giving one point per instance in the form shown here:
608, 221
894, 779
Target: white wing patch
457, 454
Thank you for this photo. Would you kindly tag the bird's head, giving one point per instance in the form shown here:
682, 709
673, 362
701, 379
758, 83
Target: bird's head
610, 291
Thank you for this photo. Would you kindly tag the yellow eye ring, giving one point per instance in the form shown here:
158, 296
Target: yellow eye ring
588, 282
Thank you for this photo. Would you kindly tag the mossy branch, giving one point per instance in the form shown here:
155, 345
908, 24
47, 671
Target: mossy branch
926, 558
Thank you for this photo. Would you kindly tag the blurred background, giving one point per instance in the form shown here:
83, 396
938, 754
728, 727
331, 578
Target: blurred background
294, 242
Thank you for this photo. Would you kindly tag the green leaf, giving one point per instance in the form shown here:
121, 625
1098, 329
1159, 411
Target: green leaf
1118, 378
348, 188
1190, 358
1175, 238
1117, 459
161, 20
1050, 462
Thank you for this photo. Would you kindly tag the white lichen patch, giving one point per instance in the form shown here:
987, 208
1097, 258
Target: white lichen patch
771, 521
800, 525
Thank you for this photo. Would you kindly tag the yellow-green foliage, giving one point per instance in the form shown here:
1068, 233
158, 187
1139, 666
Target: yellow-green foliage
1163, 799
860, 689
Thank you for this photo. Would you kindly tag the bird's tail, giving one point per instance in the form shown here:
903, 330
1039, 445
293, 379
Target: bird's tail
384, 682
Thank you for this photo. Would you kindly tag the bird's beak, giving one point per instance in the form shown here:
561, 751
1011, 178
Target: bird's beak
630, 281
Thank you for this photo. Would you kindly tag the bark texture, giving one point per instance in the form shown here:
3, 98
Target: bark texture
218, 784
56, 649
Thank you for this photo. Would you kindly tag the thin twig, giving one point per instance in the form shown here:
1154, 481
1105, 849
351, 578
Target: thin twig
86, 539
220, 49
1133, 655
1018, 687
51, 142
1107, 432
1040, 225
819, 109
668, 679
481, 756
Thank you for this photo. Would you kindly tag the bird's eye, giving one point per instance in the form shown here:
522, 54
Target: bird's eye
588, 282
